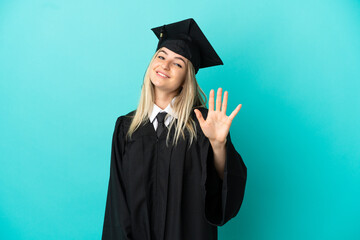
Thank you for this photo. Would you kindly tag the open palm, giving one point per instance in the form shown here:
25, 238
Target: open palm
217, 125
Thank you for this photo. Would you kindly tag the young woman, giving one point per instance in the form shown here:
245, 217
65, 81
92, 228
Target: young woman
174, 171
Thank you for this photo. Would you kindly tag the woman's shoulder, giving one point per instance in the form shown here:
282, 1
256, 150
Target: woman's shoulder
129, 115
125, 120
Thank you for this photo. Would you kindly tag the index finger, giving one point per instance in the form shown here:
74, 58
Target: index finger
211, 100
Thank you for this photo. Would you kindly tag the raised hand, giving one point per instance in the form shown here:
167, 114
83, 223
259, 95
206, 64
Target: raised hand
217, 125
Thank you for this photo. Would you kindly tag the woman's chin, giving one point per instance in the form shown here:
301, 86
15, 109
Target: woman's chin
157, 83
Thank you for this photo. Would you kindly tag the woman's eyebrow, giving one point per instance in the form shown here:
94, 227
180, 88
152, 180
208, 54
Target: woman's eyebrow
175, 57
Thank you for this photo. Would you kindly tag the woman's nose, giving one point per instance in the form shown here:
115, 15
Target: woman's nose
165, 65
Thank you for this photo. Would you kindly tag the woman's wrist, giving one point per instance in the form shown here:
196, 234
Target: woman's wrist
218, 145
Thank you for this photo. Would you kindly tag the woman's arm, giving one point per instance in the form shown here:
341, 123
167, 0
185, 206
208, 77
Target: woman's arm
219, 150
225, 171
117, 224
216, 127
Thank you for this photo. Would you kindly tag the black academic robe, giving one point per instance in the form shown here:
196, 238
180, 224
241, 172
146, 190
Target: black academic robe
169, 193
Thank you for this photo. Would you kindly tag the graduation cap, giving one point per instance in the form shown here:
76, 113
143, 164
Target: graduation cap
186, 38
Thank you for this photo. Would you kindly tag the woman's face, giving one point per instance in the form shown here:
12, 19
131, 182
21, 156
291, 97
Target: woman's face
168, 70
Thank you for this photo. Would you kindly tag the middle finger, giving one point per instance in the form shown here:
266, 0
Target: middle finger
218, 99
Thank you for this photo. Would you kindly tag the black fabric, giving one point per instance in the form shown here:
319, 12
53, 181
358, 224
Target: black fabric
186, 38
157, 192
161, 125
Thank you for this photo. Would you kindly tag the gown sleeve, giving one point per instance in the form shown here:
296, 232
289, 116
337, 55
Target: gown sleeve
117, 218
223, 197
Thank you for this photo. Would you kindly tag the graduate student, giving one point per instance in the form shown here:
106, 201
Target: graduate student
174, 172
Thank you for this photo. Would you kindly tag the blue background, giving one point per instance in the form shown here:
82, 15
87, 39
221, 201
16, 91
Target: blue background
68, 69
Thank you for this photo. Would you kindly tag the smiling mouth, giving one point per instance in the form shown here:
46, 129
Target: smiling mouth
162, 75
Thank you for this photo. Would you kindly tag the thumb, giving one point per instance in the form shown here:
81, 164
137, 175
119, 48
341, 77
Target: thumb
199, 116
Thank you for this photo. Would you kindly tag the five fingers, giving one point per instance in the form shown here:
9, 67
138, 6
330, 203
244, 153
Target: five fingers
218, 105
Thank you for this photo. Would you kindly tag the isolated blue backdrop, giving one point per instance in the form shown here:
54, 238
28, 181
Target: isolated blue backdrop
68, 69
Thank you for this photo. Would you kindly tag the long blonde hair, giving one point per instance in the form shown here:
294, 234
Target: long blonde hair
190, 95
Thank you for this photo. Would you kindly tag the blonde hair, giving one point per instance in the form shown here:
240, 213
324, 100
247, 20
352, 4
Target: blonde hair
190, 95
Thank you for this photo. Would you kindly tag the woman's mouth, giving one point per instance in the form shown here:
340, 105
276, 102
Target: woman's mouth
162, 75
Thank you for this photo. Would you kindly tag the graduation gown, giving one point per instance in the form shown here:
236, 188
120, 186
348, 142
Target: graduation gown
169, 193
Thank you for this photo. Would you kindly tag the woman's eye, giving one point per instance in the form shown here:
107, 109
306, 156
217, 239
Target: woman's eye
161, 57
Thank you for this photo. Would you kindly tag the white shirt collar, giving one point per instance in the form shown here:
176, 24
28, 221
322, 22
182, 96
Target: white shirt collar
157, 109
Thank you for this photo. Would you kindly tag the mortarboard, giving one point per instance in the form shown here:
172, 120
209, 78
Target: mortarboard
186, 38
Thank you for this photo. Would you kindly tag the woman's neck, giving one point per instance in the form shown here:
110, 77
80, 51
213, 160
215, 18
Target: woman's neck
162, 100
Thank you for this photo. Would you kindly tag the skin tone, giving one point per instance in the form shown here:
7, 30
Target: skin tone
175, 67
216, 126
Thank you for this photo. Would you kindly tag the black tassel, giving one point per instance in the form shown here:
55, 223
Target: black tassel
162, 36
